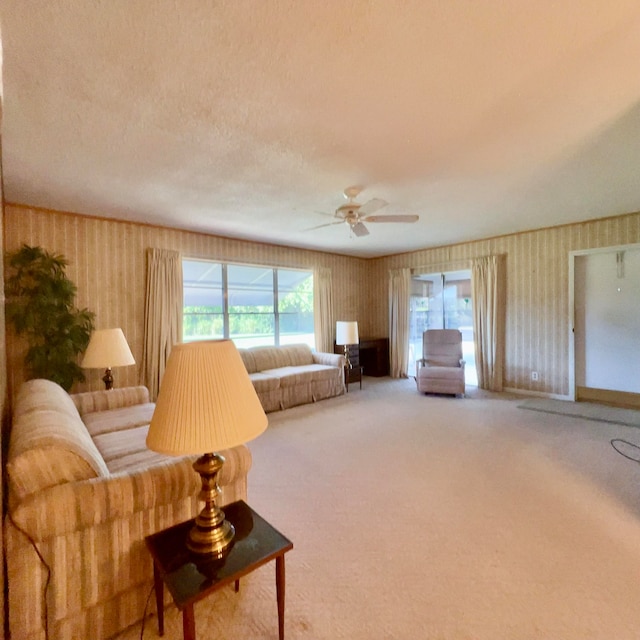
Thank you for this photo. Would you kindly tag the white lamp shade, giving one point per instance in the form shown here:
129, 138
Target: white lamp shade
107, 348
206, 401
347, 332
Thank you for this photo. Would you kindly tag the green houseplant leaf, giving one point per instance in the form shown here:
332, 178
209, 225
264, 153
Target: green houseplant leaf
40, 305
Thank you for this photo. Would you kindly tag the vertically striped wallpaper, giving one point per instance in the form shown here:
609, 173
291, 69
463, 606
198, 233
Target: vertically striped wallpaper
538, 314
107, 263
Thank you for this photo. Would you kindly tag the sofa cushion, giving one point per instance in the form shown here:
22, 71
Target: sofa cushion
263, 382
104, 400
298, 354
324, 372
267, 358
99, 422
126, 450
290, 376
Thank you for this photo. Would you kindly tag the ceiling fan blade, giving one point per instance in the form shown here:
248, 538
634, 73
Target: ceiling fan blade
327, 224
359, 230
400, 218
371, 206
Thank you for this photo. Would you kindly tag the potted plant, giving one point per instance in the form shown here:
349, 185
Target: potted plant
40, 306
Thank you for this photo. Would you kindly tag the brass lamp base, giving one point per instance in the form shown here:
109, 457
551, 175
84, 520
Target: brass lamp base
347, 363
211, 535
107, 378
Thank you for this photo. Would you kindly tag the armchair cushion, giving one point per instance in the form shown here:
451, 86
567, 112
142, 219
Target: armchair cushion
442, 361
441, 373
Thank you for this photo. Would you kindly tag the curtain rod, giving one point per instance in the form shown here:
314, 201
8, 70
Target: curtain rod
453, 265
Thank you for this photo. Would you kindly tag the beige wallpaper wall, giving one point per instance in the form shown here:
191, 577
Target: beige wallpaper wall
537, 323
107, 263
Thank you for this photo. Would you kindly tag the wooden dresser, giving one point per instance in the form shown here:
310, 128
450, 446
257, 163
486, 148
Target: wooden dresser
370, 353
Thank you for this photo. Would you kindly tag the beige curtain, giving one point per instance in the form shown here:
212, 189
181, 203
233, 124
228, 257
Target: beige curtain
323, 309
487, 290
162, 314
399, 288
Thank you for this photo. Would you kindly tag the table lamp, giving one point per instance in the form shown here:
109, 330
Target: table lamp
346, 334
107, 348
206, 403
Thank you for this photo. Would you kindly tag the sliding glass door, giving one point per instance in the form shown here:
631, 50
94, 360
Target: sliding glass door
442, 301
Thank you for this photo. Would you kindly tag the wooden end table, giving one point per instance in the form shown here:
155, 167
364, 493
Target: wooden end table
352, 374
191, 577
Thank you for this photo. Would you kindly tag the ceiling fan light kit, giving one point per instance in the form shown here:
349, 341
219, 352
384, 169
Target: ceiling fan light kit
355, 215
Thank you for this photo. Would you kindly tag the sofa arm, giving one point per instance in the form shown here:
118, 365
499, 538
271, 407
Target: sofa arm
78, 505
329, 359
103, 400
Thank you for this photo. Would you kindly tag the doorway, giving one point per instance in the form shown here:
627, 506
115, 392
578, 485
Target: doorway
442, 301
606, 325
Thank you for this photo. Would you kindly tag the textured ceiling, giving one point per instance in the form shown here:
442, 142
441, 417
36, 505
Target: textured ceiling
247, 118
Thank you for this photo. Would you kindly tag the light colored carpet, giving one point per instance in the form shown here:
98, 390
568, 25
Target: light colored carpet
584, 410
438, 518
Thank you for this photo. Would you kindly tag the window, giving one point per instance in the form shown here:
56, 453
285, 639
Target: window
252, 305
203, 301
295, 306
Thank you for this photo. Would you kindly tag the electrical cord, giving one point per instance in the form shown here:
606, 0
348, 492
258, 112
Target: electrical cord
45, 606
616, 441
144, 614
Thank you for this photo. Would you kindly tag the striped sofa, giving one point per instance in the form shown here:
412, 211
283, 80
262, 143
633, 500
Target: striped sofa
83, 492
293, 374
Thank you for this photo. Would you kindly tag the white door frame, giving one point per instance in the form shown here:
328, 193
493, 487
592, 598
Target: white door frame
572, 307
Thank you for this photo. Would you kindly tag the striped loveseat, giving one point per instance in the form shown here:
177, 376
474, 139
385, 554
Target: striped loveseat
290, 375
84, 491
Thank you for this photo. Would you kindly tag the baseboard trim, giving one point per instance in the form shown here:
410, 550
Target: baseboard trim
623, 399
538, 394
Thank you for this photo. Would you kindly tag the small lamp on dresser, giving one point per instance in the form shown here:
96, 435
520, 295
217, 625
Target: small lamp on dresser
107, 348
347, 334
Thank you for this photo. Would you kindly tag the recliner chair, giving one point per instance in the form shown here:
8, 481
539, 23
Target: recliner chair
441, 368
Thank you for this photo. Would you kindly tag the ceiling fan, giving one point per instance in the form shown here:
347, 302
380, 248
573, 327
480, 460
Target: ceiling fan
355, 215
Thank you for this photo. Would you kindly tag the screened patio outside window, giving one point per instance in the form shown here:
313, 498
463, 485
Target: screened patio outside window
252, 305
